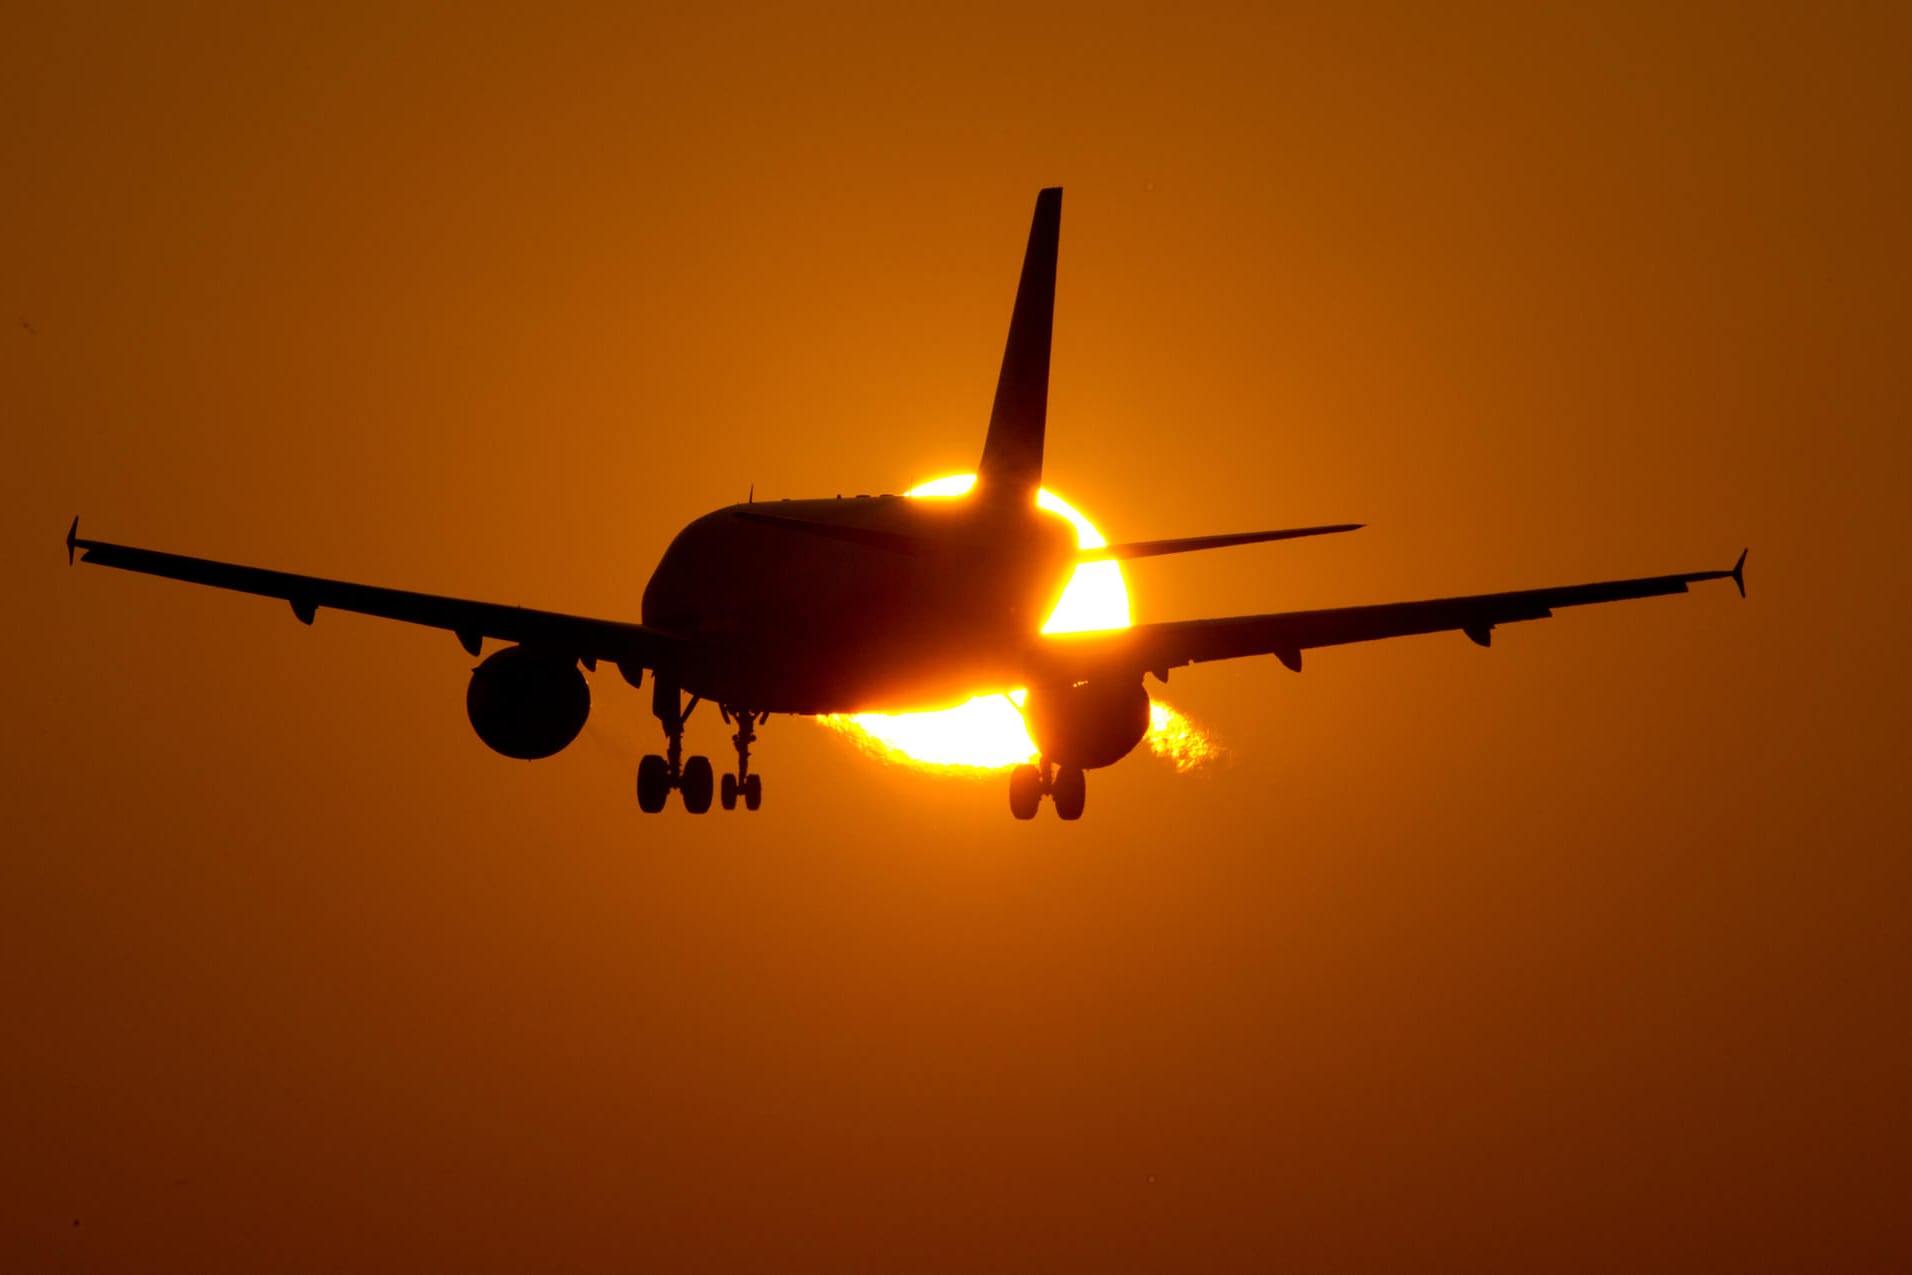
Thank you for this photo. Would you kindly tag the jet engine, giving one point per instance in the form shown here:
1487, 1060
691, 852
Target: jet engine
1087, 725
527, 704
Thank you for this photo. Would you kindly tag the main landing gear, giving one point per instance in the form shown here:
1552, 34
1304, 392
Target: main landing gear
658, 776
1065, 785
743, 783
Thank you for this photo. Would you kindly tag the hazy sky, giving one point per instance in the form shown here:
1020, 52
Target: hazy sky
1589, 951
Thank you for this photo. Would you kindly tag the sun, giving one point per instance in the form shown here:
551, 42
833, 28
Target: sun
987, 733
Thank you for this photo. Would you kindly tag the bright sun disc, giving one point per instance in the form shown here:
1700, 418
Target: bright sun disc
987, 733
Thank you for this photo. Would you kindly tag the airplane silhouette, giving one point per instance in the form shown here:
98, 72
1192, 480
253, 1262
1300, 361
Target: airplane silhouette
878, 603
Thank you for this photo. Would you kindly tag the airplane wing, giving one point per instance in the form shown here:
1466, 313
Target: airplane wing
1157, 648
631, 646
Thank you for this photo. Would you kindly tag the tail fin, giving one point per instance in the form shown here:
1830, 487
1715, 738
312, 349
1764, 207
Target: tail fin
1011, 467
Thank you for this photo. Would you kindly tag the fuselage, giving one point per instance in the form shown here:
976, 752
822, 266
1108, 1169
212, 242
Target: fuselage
866, 603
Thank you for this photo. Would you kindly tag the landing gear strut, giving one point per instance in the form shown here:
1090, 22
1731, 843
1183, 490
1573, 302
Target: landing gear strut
1065, 785
743, 783
657, 776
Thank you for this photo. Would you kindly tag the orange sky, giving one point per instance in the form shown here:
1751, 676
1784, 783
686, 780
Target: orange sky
1586, 951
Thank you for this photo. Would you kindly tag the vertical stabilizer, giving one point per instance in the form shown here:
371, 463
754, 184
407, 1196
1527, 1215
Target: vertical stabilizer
1012, 455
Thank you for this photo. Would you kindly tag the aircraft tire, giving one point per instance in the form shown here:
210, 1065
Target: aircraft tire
753, 791
653, 784
1025, 791
1071, 793
696, 785
727, 791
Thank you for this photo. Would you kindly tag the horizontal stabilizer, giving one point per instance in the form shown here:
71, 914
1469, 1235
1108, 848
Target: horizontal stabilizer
1189, 544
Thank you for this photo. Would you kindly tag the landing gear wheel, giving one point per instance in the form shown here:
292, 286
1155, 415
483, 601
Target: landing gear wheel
1025, 791
696, 785
727, 792
653, 784
743, 783
1070, 791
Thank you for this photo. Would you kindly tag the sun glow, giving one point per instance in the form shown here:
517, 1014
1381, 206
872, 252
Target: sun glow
987, 733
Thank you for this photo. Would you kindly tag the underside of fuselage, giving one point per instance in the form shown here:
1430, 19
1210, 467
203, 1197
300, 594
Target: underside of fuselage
868, 603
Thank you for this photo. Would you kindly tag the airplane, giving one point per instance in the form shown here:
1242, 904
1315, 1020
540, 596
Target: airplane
878, 604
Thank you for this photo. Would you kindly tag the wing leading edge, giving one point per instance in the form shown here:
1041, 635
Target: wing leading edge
1159, 647
632, 646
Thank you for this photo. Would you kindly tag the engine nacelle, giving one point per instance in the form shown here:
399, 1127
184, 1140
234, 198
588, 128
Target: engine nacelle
1089, 725
527, 704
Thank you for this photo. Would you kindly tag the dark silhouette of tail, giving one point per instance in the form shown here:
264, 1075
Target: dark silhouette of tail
1011, 467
